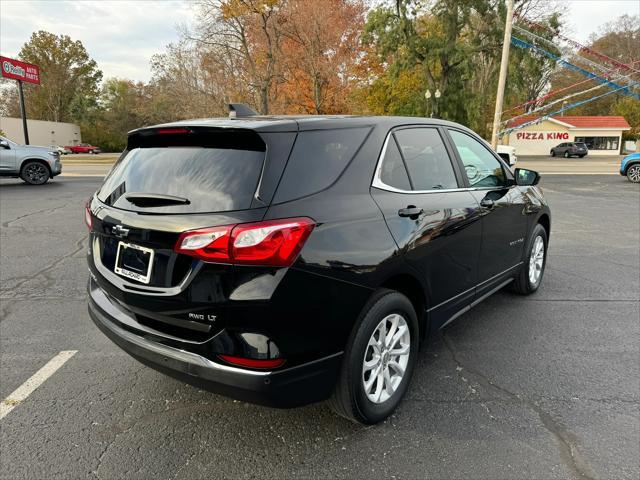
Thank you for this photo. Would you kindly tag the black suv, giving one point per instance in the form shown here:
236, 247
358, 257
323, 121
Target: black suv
569, 149
287, 260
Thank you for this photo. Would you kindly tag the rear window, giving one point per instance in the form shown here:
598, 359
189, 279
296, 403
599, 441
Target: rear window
318, 158
211, 179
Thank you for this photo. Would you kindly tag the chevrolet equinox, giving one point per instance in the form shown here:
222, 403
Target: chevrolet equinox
288, 260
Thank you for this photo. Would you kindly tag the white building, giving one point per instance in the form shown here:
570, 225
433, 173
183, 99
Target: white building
603, 135
41, 132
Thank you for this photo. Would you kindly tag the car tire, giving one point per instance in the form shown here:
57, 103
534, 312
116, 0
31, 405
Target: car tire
358, 396
34, 173
535, 261
566, 155
553, 153
633, 173
581, 156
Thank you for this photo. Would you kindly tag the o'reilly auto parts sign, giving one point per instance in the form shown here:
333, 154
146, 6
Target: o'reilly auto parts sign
18, 70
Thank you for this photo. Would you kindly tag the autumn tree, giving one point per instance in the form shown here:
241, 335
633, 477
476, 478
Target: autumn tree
246, 35
192, 80
434, 41
69, 78
320, 49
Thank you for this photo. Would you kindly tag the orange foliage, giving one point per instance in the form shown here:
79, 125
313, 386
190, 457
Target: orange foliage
321, 53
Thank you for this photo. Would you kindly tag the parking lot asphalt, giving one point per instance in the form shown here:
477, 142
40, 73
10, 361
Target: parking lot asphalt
546, 386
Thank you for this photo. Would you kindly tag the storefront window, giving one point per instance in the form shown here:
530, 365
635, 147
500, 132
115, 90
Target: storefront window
599, 143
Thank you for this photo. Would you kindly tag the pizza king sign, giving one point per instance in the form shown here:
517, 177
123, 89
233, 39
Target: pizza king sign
542, 136
18, 70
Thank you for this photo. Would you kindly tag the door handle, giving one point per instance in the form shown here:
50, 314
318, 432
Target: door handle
487, 203
411, 211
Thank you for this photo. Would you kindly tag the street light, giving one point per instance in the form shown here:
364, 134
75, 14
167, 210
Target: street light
436, 96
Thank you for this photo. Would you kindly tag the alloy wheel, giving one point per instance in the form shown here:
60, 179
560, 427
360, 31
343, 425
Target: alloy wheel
536, 260
634, 173
386, 358
36, 173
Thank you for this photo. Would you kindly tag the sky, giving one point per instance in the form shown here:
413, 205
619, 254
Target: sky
123, 35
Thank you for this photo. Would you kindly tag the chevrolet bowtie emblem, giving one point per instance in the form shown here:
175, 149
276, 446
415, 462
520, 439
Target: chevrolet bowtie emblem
120, 231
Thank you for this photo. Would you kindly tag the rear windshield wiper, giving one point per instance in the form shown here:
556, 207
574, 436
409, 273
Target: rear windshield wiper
155, 199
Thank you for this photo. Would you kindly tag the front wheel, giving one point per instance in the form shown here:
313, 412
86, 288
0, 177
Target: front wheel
633, 173
34, 173
552, 153
379, 359
530, 276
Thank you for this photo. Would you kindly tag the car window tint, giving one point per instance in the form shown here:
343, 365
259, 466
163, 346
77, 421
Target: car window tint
318, 158
393, 171
212, 179
426, 159
481, 167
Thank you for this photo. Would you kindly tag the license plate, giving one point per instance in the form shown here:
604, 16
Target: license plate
134, 261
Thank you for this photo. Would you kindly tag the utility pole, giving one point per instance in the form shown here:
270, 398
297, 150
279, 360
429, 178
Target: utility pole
504, 62
23, 112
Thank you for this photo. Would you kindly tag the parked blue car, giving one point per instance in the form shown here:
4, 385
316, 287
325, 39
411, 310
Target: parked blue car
630, 167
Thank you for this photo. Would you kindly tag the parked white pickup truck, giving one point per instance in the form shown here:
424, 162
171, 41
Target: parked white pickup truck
508, 154
34, 165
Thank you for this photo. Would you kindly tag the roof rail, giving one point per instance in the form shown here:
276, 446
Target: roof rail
237, 110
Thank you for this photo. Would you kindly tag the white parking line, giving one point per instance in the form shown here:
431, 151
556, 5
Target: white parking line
37, 379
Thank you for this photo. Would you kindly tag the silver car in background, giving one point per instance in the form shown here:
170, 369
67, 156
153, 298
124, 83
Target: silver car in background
34, 165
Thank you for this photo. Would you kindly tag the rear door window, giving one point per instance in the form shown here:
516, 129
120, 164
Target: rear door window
211, 179
318, 159
393, 172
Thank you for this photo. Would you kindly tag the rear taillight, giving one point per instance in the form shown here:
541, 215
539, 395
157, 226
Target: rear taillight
210, 244
252, 362
88, 219
273, 243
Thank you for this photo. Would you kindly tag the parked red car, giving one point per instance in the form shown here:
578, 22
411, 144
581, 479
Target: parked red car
83, 148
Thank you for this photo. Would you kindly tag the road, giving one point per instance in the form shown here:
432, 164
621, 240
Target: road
545, 386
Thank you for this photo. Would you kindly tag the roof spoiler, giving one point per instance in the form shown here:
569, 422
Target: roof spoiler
238, 110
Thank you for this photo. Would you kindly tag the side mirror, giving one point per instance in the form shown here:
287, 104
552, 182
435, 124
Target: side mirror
526, 177
4, 144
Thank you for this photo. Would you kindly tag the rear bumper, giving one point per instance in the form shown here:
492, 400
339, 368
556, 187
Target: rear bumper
290, 387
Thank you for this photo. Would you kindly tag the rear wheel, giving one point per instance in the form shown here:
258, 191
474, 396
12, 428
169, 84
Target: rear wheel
633, 173
34, 173
566, 155
530, 276
379, 359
